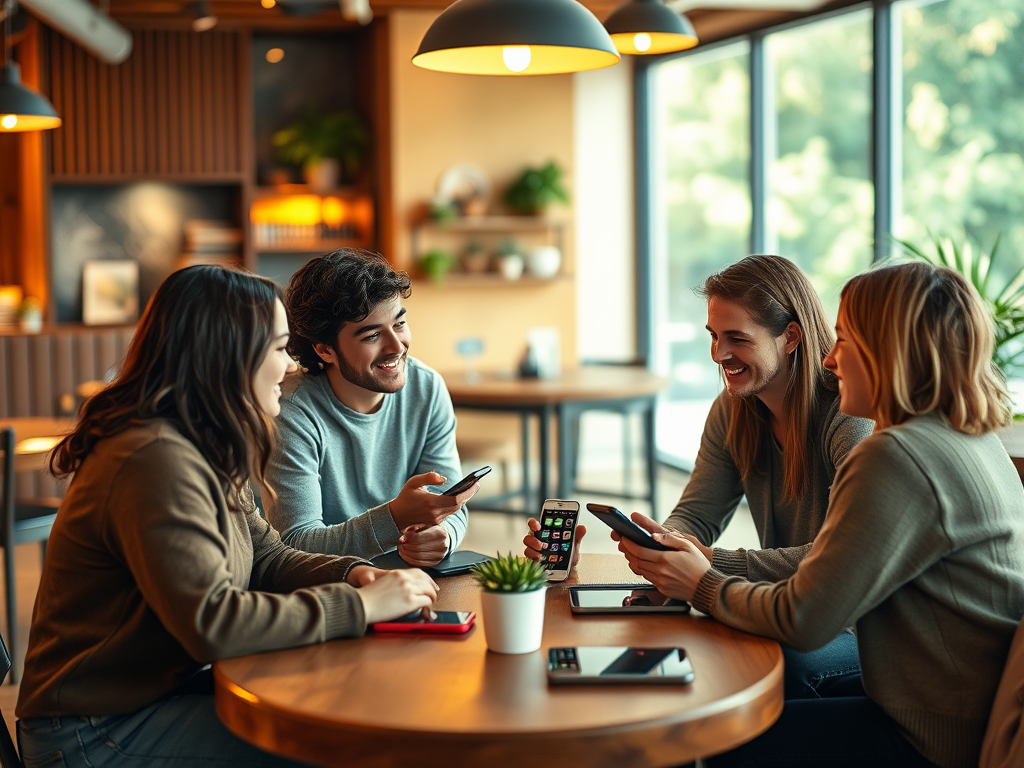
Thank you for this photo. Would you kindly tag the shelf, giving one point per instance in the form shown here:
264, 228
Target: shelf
310, 246
497, 224
293, 190
492, 279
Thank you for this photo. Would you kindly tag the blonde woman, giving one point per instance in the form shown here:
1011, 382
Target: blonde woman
922, 548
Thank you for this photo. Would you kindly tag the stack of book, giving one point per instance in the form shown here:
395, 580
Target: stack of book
211, 242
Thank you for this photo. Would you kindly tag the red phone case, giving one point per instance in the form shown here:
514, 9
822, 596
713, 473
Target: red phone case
418, 629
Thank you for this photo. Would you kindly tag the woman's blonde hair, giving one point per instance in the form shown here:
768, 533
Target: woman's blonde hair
776, 293
927, 341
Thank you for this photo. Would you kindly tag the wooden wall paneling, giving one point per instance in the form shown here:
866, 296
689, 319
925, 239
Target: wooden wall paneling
162, 75
174, 106
184, 101
103, 117
209, 125
64, 381
20, 377
80, 114
117, 106
5, 390
228, 57
382, 140
247, 145
138, 69
93, 137
85, 358
148, 127
57, 99
42, 395
196, 96
108, 354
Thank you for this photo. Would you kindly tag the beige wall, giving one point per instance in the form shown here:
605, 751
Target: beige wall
501, 125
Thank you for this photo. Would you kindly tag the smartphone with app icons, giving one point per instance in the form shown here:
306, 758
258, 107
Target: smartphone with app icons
557, 536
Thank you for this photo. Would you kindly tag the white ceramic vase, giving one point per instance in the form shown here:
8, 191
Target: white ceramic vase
511, 266
513, 621
544, 261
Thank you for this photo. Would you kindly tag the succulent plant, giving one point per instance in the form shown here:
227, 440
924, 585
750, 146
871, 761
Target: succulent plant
510, 573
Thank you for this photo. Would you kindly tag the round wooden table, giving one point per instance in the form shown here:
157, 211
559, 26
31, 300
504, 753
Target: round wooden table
380, 702
627, 389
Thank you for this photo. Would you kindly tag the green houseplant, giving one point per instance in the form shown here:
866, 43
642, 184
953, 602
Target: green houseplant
317, 139
536, 189
1004, 300
436, 263
512, 602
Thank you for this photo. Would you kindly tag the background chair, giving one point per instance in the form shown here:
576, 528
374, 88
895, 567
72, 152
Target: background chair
24, 519
8, 754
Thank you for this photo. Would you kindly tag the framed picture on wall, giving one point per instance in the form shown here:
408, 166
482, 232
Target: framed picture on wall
110, 292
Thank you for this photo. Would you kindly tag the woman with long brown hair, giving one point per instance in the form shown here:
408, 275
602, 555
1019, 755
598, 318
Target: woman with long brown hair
159, 561
922, 547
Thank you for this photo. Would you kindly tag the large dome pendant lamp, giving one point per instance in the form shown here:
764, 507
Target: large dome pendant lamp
21, 109
647, 27
515, 37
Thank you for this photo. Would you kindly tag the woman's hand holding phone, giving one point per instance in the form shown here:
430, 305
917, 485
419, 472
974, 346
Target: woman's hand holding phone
423, 545
396, 593
532, 548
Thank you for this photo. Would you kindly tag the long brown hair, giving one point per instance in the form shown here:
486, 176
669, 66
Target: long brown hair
192, 361
927, 341
776, 293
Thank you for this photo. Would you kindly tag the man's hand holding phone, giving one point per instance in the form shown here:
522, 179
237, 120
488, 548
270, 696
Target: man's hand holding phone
675, 572
416, 505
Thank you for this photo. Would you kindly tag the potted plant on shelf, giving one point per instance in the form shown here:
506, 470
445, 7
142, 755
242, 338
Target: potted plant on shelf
512, 602
536, 189
326, 146
1005, 304
510, 260
436, 263
474, 258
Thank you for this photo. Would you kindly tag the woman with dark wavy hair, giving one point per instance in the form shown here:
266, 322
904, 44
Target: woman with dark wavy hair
159, 561
922, 547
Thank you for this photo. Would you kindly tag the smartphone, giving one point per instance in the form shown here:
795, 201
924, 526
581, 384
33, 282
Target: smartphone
617, 521
557, 536
447, 622
466, 483
659, 666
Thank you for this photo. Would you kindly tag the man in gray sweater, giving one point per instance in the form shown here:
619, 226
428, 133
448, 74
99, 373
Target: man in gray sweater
365, 430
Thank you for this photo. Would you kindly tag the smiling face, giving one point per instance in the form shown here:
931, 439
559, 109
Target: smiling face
753, 361
369, 357
851, 368
266, 382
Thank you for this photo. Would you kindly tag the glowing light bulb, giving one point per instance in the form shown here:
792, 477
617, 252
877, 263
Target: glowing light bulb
516, 57
268, 3
274, 55
642, 41
9, 121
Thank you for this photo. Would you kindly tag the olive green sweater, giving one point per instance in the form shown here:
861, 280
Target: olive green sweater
923, 547
149, 576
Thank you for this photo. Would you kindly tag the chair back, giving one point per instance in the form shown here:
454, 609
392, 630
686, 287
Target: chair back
1004, 740
8, 754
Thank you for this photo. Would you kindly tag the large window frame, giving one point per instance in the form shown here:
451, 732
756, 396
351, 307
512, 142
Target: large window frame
884, 141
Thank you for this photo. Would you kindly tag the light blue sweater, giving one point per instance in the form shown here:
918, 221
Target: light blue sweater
335, 470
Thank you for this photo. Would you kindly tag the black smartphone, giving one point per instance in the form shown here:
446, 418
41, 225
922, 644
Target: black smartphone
617, 664
466, 482
622, 598
617, 521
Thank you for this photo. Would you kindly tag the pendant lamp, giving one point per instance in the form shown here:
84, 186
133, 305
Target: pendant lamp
21, 109
649, 27
515, 37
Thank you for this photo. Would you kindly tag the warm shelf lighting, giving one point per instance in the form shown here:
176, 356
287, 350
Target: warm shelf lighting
515, 37
268, 4
274, 55
645, 27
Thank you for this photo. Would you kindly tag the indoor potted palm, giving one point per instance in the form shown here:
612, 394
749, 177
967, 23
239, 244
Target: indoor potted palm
514, 591
536, 189
326, 146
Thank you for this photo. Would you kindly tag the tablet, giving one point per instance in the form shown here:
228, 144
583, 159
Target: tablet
623, 598
456, 563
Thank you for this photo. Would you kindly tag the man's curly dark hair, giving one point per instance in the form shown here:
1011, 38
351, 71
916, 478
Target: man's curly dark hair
340, 287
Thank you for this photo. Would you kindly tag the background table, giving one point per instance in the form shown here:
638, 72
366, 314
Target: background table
626, 389
379, 702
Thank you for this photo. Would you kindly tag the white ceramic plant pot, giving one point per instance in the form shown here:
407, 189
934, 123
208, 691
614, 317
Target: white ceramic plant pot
511, 266
513, 621
544, 261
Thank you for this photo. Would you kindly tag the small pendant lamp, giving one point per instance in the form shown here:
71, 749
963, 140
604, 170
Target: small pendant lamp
647, 27
515, 37
21, 109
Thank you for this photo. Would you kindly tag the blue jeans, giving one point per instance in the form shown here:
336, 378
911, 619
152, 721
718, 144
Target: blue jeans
172, 732
833, 670
850, 732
